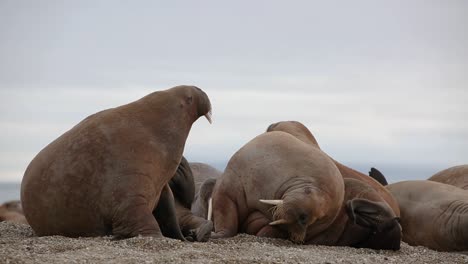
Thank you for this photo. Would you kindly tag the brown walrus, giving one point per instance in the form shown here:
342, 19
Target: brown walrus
109, 174
365, 220
275, 168
301, 132
205, 177
433, 214
193, 227
12, 212
456, 176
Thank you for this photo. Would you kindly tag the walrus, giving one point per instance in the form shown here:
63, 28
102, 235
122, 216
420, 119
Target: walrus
193, 227
11, 212
108, 174
456, 176
365, 220
205, 177
276, 168
433, 214
14, 205
301, 132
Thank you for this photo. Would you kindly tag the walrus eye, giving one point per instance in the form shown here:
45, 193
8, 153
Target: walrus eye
303, 219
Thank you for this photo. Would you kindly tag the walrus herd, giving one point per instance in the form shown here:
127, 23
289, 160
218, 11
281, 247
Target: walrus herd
120, 172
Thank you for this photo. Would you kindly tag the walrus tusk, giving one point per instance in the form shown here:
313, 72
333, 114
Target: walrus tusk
208, 117
210, 209
279, 222
272, 202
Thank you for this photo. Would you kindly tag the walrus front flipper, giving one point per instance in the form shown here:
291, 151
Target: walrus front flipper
384, 227
182, 184
165, 214
193, 227
378, 176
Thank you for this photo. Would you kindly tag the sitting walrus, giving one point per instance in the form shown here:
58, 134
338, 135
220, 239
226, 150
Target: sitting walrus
433, 214
276, 168
108, 175
456, 176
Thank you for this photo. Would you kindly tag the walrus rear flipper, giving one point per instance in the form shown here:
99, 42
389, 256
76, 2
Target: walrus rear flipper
165, 214
378, 176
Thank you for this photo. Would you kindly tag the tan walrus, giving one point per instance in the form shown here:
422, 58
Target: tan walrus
275, 168
433, 214
456, 176
301, 132
11, 211
109, 174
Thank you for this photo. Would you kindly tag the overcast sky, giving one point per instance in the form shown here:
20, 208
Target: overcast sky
379, 83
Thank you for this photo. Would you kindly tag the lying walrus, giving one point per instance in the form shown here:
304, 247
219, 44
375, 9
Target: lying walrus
365, 220
433, 214
301, 132
12, 212
205, 178
456, 176
276, 168
193, 227
109, 174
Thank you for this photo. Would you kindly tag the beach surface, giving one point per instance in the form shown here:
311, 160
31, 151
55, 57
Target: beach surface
18, 244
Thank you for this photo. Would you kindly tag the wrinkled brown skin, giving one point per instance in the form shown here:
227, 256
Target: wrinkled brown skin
11, 212
276, 165
456, 176
205, 177
364, 220
106, 175
194, 228
433, 214
300, 131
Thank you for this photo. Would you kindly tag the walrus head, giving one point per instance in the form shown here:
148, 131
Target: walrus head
297, 211
196, 99
296, 129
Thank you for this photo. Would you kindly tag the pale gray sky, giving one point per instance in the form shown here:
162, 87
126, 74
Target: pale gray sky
379, 83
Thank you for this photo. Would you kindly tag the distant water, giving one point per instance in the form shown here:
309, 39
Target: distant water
9, 191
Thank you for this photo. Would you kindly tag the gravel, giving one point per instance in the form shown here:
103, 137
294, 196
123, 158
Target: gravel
18, 244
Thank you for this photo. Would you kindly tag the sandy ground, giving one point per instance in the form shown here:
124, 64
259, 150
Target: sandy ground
18, 244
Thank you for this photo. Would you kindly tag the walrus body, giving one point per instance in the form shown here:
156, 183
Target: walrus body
301, 132
456, 176
12, 212
434, 215
277, 169
182, 185
107, 174
364, 220
205, 178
